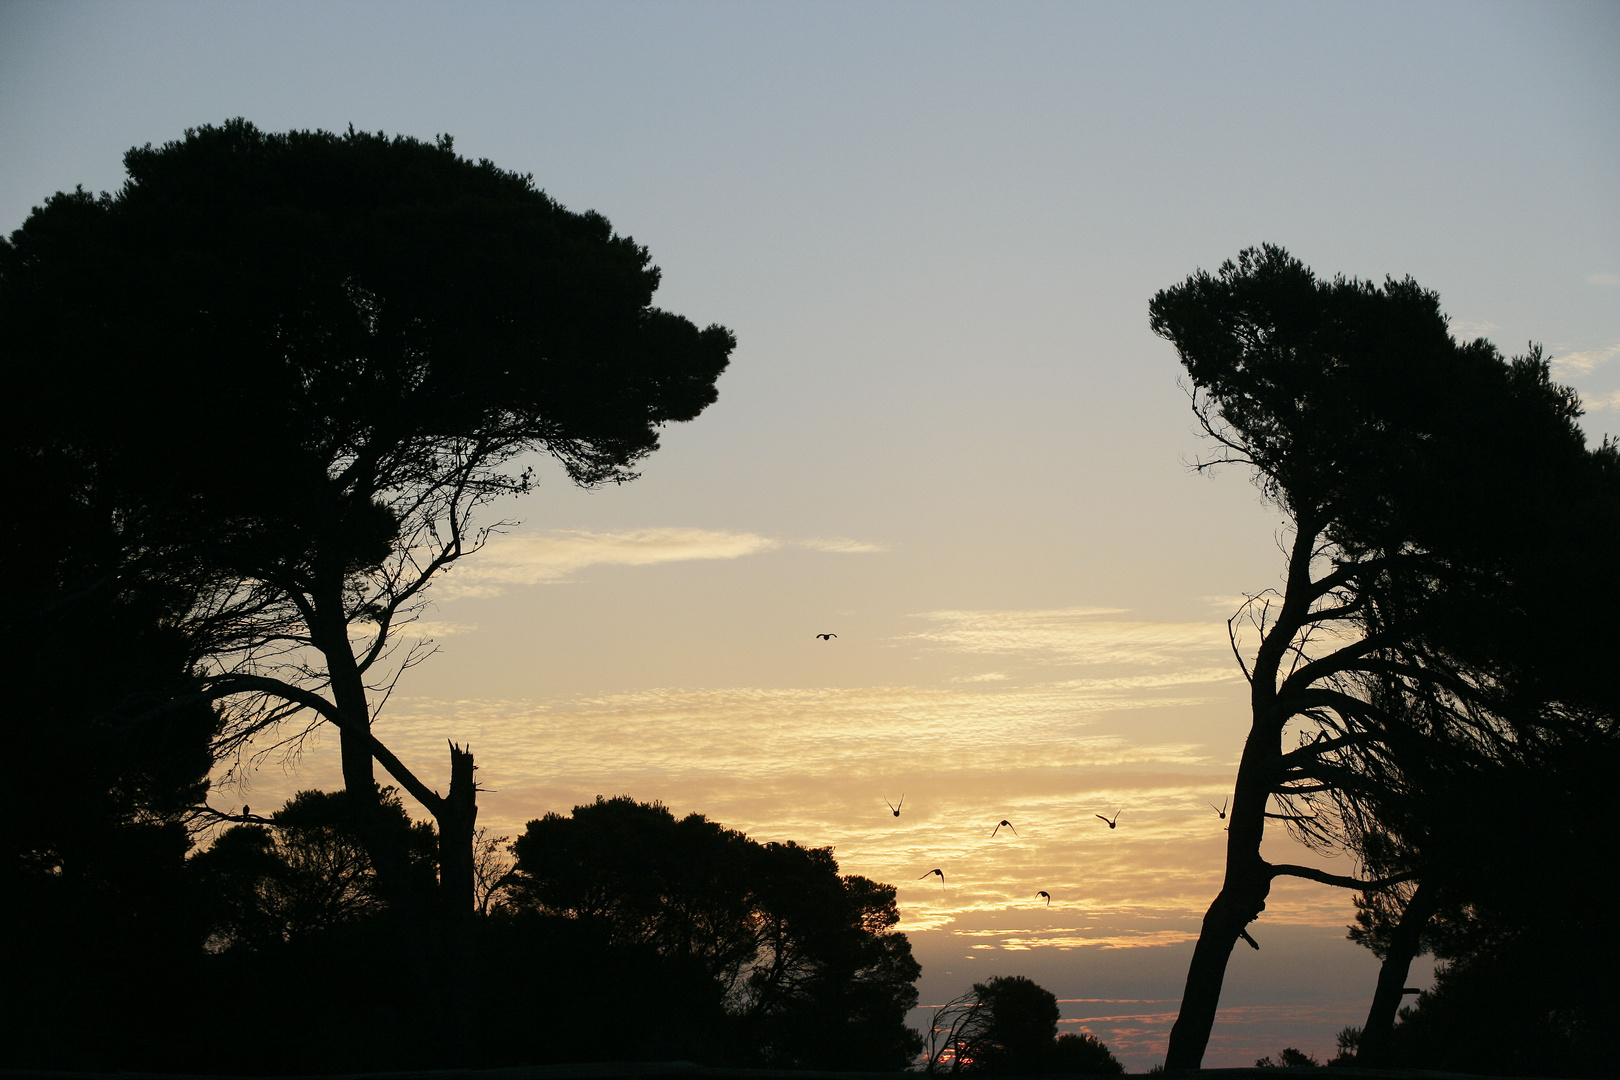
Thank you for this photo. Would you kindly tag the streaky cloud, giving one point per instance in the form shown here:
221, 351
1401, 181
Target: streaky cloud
841, 545
553, 557
1078, 635
550, 557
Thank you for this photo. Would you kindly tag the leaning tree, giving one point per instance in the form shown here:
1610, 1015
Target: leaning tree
304, 362
1415, 472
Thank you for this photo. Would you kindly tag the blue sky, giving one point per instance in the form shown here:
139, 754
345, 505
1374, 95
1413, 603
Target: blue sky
947, 434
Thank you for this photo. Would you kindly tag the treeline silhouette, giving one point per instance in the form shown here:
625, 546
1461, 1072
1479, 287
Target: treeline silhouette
617, 933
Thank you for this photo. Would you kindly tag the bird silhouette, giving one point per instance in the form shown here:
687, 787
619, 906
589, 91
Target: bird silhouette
1048, 896
1222, 811
1005, 822
246, 811
894, 807
826, 637
941, 874
1111, 824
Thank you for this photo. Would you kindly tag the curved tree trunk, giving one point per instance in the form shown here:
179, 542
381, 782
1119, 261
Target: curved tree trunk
1248, 877
1373, 1048
1237, 905
1241, 900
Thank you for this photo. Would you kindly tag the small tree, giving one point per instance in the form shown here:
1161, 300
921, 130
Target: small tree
804, 962
302, 873
1005, 1025
1086, 1055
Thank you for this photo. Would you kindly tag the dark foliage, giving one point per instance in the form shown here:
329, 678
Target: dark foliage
298, 363
279, 375
729, 953
1525, 987
103, 768
793, 964
1431, 485
1017, 1032
1008, 1026
1084, 1054
304, 874
1288, 1058
1536, 999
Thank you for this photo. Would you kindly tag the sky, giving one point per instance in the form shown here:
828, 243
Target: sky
947, 434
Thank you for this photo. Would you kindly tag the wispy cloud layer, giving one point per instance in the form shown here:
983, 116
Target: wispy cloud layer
1463, 330
841, 545
1133, 729
550, 557
1609, 402
438, 628
1073, 636
1603, 279
1584, 362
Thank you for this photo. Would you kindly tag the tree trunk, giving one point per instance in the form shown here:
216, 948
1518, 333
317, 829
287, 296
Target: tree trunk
457, 818
1240, 902
384, 844
1248, 877
1373, 1048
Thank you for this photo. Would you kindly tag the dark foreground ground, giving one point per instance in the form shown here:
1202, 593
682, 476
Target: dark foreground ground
682, 1070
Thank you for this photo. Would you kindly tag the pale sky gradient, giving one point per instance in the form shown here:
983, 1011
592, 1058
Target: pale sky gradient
947, 434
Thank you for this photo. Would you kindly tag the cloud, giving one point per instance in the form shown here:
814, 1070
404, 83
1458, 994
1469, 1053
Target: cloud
546, 558
1603, 279
1139, 940
1182, 677
1071, 635
551, 557
814, 765
437, 628
1585, 362
841, 545
1609, 402
1463, 330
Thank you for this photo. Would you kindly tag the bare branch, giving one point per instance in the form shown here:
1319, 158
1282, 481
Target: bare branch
1312, 874
225, 685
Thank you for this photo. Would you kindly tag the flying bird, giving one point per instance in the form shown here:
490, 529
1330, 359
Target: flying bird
895, 808
1110, 823
826, 637
1222, 811
1005, 822
1048, 896
941, 874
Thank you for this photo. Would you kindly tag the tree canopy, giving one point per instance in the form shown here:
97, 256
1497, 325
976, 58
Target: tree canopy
1008, 1025
802, 961
295, 366
1429, 483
